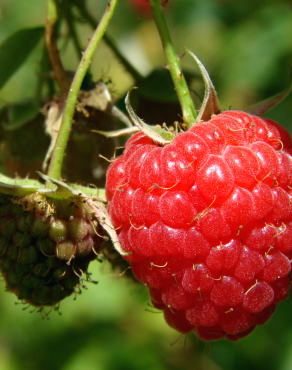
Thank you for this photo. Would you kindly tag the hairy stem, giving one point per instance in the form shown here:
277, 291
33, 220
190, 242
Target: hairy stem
182, 90
64, 132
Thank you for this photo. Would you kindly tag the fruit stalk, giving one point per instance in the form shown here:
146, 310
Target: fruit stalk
63, 135
182, 90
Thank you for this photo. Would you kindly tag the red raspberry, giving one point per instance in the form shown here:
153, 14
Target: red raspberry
143, 7
208, 221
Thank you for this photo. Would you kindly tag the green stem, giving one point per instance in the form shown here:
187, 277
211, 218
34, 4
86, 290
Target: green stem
109, 41
181, 87
64, 132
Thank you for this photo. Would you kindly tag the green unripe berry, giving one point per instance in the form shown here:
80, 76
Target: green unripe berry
12, 252
8, 227
17, 210
24, 222
85, 246
28, 255
6, 264
5, 209
58, 230
66, 250
21, 240
58, 293
14, 278
21, 269
40, 269
71, 282
60, 273
46, 246
32, 282
23, 292
53, 263
78, 229
39, 227
41, 296
3, 244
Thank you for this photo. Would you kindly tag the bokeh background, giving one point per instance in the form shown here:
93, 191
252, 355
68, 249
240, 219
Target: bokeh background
246, 47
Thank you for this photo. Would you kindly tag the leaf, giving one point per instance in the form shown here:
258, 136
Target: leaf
210, 105
118, 133
157, 134
264, 106
158, 85
19, 114
15, 49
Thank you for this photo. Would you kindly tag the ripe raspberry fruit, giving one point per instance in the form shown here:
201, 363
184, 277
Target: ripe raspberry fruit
46, 246
143, 7
207, 222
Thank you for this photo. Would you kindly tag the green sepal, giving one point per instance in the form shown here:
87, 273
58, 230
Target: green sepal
18, 188
118, 133
66, 191
210, 105
157, 134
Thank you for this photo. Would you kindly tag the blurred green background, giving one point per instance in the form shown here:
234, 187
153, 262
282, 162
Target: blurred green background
246, 47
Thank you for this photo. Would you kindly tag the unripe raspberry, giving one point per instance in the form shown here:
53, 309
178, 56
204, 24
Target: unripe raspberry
45, 246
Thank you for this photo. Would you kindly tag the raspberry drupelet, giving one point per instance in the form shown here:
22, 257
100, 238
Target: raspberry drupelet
207, 222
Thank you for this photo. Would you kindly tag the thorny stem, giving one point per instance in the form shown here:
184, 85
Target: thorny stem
63, 135
109, 41
60, 75
182, 90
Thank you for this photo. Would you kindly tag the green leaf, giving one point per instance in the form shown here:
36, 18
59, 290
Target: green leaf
19, 114
15, 49
158, 85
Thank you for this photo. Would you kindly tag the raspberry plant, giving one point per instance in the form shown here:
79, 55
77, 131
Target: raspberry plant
200, 209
